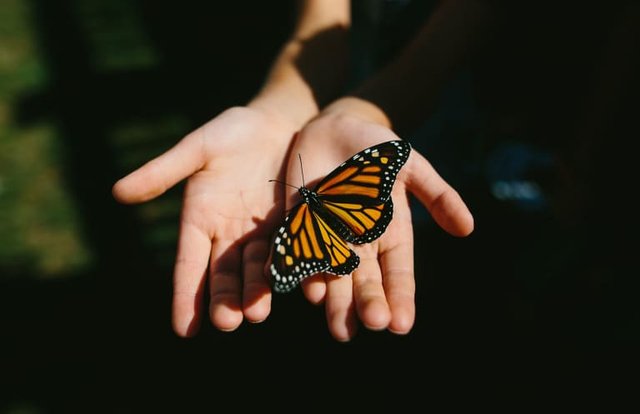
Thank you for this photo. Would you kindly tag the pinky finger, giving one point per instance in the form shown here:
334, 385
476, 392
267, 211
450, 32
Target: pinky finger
189, 279
256, 296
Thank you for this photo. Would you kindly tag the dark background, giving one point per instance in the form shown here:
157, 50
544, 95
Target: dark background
534, 133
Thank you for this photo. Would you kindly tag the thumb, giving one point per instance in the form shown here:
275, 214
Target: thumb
443, 202
163, 172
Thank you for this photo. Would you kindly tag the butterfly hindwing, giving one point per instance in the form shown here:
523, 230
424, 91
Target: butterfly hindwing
361, 223
307, 244
298, 251
342, 260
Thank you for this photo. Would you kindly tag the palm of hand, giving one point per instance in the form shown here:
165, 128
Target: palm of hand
381, 289
229, 211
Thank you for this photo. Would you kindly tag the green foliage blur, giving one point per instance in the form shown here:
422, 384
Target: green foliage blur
43, 229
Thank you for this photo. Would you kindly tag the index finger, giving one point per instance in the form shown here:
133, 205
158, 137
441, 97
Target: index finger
443, 202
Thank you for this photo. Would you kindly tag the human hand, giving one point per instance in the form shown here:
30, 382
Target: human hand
228, 215
381, 290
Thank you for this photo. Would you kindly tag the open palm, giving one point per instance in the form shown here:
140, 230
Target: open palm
228, 215
381, 290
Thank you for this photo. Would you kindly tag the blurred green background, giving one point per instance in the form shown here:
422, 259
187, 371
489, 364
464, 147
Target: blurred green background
40, 233
91, 89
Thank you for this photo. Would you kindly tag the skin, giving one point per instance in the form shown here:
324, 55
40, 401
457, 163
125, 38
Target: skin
380, 292
228, 216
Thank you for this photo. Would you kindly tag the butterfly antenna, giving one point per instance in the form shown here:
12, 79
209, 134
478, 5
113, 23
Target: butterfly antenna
283, 183
301, 170
290, 185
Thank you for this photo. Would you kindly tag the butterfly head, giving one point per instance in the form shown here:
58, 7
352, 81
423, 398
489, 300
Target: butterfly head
309, 196
305, 193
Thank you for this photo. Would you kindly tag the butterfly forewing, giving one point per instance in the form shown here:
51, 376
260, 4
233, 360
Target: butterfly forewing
298, 251
358, 192
369, 175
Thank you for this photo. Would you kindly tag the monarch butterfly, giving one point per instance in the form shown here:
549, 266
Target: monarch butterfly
350, 205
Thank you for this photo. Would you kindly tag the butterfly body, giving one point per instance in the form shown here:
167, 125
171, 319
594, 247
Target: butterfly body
310, 197
350, 205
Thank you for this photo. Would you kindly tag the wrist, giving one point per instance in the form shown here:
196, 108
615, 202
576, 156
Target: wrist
359, 108
278, 103
286, 92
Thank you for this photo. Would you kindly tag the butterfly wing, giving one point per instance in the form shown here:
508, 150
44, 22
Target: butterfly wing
358, 192
343, 260
306, 244
361, 223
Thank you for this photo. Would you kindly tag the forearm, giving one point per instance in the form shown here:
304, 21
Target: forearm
404, 92
311, 67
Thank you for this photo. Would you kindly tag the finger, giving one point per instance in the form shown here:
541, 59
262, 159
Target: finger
163, 172
256, 297
399, 285
225, 309
192, 260
443, 202
368, 292
339, 309
315, 289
